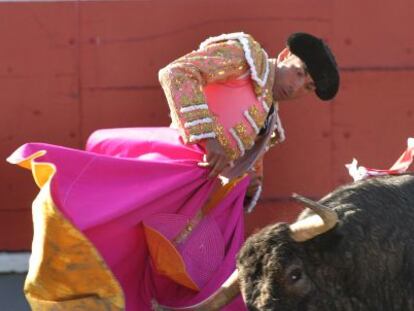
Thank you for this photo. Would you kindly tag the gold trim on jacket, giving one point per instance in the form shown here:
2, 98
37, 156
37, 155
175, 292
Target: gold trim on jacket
218, 59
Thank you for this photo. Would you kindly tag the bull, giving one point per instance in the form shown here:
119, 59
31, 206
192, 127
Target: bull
352, 250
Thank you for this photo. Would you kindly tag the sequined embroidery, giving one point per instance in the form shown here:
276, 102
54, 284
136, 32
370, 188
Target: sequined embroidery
258, 116
194, 108
252, 123
224, 142
255, 56
238, 141
198, 137
218, 59
194, 115
245, 137
183, 81
191, 124
201, 128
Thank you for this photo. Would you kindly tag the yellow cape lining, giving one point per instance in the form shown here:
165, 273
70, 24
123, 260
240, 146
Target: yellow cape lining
66, 272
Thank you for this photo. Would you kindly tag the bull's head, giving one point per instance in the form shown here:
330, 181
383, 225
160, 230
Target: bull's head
272, 275
269, 266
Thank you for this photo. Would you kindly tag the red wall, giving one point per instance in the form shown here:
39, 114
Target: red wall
68, 68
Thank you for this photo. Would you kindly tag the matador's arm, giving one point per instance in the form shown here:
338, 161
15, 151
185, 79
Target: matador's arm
183, 82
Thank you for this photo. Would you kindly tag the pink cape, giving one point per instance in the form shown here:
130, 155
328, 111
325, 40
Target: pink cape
124, 177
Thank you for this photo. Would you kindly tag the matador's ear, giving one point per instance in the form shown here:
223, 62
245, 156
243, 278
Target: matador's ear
283, 54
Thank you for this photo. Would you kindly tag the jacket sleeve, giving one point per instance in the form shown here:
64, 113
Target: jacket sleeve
183, 82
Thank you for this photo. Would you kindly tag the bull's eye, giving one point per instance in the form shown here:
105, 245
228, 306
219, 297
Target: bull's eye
295, 280
296, 275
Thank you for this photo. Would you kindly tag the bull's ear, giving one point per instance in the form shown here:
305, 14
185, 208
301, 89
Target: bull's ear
309, 227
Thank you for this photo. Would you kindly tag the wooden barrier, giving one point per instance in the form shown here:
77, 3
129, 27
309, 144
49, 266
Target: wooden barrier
70, 67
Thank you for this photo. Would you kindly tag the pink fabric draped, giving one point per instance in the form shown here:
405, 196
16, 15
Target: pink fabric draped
123, 178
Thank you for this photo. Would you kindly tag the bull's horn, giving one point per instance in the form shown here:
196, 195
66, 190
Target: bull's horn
308, 228
223, 296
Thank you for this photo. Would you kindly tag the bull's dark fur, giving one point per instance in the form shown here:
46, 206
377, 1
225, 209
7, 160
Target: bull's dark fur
366, 263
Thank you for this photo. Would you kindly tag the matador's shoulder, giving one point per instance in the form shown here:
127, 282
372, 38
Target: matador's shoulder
255, 55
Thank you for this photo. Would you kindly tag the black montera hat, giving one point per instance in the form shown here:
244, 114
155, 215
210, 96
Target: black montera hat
319, 61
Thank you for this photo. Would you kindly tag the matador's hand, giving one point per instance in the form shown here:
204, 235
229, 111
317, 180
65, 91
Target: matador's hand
215, 158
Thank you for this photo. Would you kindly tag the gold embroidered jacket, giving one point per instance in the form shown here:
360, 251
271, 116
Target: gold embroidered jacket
218, 59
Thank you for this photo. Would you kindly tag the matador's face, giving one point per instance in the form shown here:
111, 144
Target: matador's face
292, 79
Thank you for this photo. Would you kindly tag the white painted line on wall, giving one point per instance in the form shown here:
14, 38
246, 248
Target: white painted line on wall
14, 262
